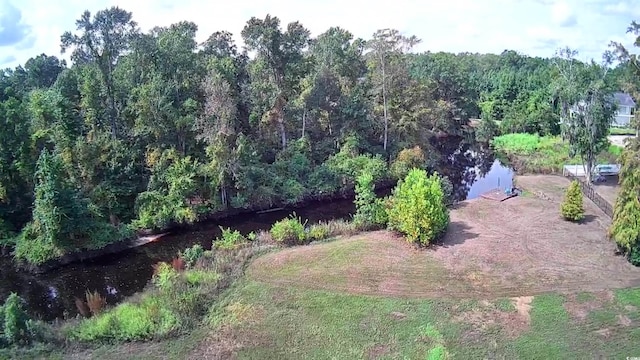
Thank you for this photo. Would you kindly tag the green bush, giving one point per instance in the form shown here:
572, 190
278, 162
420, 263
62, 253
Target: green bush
370, 212
406, 160
230, 239
197, 277
129, 321
572, 208
289, 231
15, 326
417, 207
164, 276
317, 232
192, 255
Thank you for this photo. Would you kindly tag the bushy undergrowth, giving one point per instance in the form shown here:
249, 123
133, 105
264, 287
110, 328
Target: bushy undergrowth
230, 239
16, 328
370, 210
532, 153
176, 302
289, 231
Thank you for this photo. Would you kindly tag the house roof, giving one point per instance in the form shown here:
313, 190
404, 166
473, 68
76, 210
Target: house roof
624, 99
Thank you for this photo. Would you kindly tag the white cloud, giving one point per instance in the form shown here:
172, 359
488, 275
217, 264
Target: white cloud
623, 8
563, 15
530, 26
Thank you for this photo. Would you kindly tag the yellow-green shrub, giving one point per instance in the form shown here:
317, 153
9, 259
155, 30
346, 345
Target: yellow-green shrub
572, 208
417, 207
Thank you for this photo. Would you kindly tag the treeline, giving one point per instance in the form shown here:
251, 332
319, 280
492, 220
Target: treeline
148, 129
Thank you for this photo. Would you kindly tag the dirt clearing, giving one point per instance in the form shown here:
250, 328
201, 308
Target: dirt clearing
513, 248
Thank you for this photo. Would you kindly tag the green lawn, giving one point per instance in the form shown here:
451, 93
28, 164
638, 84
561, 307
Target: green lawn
293, 323
622, 131
531, 153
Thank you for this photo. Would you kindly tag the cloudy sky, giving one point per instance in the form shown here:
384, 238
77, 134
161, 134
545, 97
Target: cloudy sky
534, 27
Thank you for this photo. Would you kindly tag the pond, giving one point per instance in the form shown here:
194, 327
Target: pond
471, 169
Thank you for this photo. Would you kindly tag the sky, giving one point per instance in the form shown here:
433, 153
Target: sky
533, 27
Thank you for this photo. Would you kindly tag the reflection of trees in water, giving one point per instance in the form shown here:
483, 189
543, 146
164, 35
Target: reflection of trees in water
462, 161
53, 294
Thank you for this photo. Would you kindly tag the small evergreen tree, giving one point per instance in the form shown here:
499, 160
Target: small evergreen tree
572, 208
418, 207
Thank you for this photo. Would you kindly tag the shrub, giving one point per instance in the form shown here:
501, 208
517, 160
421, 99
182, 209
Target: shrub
15, 326
370, 212
317, 232
197, 277
571, 207
417, 207
230, 239
192, 255
289, 231
406, 160
128, 321
164, 275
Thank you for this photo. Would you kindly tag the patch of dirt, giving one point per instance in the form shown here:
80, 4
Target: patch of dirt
624, 320
491, 249
398, 315
378, 351
630, 308
512, 323
579, 310
523, 305
605, 333
225, 343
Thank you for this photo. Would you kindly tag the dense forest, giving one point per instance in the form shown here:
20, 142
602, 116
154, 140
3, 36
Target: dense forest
144, 130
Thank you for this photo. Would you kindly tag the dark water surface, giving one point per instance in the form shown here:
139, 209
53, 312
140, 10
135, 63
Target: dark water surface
472, 171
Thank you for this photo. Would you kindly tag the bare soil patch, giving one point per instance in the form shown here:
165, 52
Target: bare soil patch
491, 249
579, 310
485, 317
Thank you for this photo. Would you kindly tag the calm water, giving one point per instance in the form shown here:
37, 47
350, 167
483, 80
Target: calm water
472, 171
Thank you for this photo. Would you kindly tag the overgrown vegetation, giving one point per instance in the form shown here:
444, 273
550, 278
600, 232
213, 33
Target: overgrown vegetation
572, 208
370, 210
418, 208
625, 228
532, 153
16, 328
289, 231
177, 302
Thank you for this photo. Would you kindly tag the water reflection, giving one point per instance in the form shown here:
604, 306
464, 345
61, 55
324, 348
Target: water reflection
471, 169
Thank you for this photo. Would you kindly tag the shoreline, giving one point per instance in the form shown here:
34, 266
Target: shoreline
147, 236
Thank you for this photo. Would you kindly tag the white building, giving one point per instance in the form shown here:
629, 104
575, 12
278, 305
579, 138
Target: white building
626, 110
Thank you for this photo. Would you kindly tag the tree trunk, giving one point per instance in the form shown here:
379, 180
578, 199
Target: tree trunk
283, 133
304, 121
384, 106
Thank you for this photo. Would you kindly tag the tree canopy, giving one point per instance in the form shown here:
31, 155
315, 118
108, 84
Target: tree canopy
147, 129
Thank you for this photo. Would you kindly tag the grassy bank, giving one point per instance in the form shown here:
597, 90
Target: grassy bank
622, 131
530, 153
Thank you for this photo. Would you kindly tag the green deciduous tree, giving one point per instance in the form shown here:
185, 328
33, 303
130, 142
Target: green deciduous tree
572, 208
102, 40
586, 105
386, 58
418, 207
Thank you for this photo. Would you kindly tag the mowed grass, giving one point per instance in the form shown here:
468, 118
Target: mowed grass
532, 153
622, 131
297, 323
